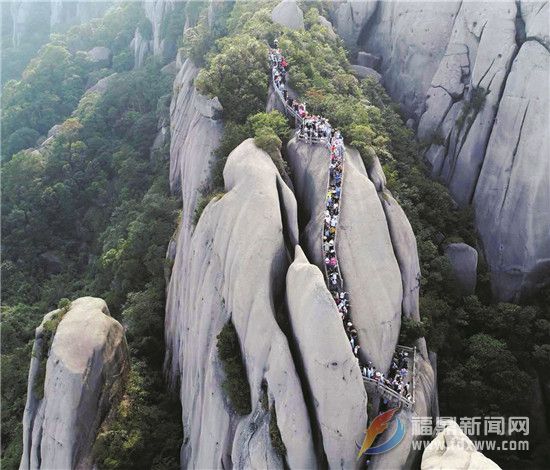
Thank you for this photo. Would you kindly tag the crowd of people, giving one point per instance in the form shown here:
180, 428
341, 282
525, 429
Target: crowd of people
316, 129
398, 379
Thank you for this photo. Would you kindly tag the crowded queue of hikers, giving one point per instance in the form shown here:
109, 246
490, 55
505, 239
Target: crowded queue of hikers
315, 129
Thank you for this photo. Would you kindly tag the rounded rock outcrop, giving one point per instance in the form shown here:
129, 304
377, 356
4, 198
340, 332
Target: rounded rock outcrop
451, 448
288, 13
73, 388
463, 259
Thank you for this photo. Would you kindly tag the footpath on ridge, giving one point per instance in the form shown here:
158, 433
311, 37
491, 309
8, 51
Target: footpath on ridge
316, 130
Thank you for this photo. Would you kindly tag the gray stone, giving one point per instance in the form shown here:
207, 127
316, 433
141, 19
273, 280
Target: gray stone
330, 368
512, 198
364, 72
100, 54
170, 69
369, 267
101, 85
367, 59
328, 26
195, 129
288, 13
451, 448
376, 173
234, 266
463, 259
55, 130
86, 372
350, 17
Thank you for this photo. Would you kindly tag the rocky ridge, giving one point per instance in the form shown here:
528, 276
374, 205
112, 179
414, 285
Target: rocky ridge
250, 236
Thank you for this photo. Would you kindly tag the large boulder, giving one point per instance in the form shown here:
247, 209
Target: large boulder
99, 54
85, 373
330, 368
463, 259
288, 13
233, 266
196, 128
365, 72
452, 449
367, 259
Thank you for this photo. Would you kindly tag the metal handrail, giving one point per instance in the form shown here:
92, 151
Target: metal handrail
366, 380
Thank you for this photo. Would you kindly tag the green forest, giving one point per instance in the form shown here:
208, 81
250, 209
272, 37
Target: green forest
88, 211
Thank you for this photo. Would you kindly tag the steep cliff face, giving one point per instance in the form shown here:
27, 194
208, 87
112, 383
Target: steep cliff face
159, 41
85, 372
59, 15
196, 129
329, 367
234, 267
456, 68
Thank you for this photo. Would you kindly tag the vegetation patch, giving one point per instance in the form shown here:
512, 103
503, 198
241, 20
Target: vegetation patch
275, 433
235, 384
48, 332
202, 202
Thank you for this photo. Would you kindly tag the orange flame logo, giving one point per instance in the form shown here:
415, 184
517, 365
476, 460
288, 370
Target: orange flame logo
378, 426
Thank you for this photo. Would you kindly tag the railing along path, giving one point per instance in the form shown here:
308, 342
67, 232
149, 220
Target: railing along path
336, 147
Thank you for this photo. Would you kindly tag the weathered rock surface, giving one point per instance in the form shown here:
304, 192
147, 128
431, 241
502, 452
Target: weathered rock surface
463, 259
59, 15
512, 198
234, 266
452, 449
101, 85
289, 14
349, 18
196, 129
461, 69
409, 37
365, 72
85, 374
367, 260
330, 368
368, 60
99, 54
328, 26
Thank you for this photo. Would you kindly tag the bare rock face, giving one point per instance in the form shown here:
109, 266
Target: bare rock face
369, 267
463, 260
330, 367
365, 72
474, 75
368, 60
85, 375
234, 267
289, 14
512, 197
410, 38
349, 18
451, 448
99, 54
